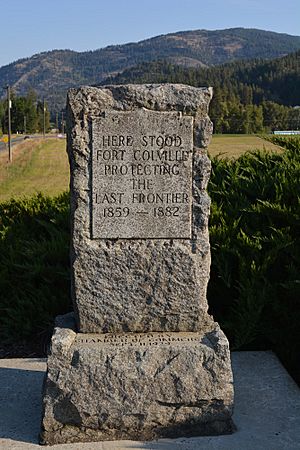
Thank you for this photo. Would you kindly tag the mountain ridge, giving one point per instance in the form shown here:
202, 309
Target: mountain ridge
51, 73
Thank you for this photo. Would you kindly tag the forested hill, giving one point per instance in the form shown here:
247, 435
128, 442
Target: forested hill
50, 74
253, 81
249, 96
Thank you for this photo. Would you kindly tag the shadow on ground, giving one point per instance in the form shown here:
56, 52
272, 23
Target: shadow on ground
20, 398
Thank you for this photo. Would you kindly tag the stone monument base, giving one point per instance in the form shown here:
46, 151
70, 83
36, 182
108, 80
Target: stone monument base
136, 386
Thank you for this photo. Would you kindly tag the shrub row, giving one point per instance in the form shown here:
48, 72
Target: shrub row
254, 291
34, 266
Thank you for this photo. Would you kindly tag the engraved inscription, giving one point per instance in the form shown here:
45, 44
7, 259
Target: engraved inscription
137, 339
142, 175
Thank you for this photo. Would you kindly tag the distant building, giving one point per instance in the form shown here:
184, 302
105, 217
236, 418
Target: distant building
286, 132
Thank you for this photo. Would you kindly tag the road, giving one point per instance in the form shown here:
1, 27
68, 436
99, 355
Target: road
4, 146
19, 139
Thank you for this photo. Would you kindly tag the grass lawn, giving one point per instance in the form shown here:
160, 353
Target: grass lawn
38, 166
42, 165
233, 145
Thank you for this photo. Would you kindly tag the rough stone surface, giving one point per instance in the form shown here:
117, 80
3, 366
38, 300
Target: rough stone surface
141, 358
136, 386
136, 284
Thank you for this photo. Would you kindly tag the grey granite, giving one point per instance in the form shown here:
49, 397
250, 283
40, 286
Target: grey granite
141, 359
137, 386
139, 285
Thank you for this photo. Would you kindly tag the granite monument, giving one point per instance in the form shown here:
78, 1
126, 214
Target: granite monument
140, 358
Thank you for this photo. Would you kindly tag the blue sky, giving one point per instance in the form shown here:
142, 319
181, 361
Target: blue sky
32, 26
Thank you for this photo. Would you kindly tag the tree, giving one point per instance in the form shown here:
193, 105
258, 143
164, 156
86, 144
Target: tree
275, 116
18, 114
27, 114
31, 112
257, 119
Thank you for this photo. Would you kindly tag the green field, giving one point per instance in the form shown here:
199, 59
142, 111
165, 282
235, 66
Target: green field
42, 165
38, 166
233, 145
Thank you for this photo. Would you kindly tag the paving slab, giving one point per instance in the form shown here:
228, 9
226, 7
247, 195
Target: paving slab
267, 409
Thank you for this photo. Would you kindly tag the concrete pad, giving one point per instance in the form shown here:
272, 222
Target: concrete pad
267, 409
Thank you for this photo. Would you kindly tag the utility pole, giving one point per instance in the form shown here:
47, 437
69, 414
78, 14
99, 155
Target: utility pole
62, 123
57, 122
9, 124
24, 124
44, 118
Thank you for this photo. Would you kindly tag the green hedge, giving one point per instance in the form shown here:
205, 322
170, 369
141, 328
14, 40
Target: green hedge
254, 233
254, 291
34, 265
